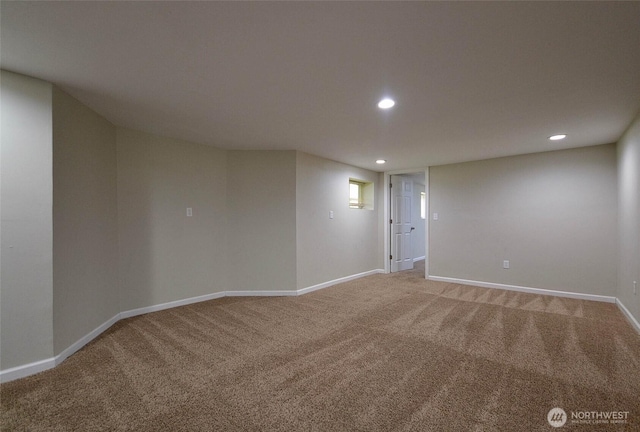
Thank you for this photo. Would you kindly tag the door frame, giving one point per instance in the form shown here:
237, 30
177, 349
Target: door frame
386, 230
402, 239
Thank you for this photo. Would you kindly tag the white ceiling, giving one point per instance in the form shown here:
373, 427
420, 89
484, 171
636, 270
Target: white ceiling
471, 80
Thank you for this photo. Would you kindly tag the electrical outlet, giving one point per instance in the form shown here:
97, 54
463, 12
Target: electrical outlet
189, 212
505, 264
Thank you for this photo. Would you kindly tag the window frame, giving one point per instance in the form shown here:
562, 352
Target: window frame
359, 204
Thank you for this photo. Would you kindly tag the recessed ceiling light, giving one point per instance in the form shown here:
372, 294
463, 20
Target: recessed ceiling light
380, 161
557, 137
386, 103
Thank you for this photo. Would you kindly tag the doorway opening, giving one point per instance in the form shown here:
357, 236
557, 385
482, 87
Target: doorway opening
406, 227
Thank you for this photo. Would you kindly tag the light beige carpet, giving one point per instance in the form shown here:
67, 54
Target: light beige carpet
382, 353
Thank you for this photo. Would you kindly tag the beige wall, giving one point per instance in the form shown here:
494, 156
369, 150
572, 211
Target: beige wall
26, 281
348, 244
553, 215
262, 220
85, 221
164, 255
629, 218
74, 188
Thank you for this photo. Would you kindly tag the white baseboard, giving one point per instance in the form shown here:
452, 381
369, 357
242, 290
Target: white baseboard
419, 258
581, 296
169, 305
86, 339
42, 365
25, 370
628, 315
282, 293
302, 291
337, 281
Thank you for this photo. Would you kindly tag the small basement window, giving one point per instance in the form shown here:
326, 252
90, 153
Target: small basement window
355, 194
360, 194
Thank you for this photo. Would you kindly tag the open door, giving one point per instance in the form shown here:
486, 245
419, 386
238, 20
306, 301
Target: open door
401, 229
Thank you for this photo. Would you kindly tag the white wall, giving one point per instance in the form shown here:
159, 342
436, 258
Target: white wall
164, 255
85, 221
262, 220
629, 218
348, 244
553, 215
26, 229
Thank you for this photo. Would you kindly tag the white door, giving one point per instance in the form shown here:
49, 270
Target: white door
401, 229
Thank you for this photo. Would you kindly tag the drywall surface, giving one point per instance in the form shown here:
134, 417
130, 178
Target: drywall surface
347, 244
553, 215
85, 221
262, 220
26, 333
629, 219
165, 255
